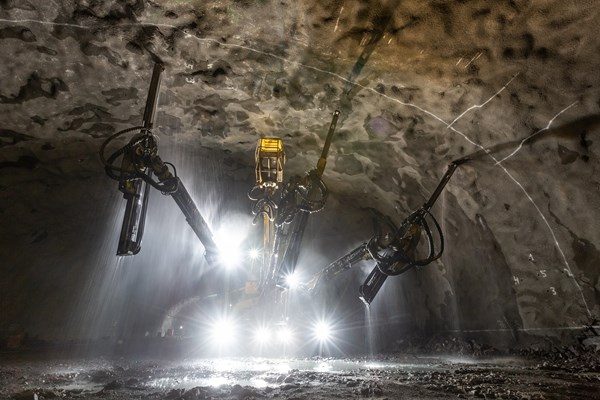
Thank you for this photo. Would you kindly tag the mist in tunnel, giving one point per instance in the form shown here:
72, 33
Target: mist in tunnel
417, 86
443, 244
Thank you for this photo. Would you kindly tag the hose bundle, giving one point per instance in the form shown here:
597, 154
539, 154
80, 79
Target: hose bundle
395, 259
167, 187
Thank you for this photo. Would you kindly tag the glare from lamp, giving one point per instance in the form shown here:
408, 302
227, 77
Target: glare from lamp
229, 243
223, 332
323, 331
292, 280
284, 335
262, 335
229, 257
254, 254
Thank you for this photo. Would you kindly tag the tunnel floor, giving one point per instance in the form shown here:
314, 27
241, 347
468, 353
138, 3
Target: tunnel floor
410, 376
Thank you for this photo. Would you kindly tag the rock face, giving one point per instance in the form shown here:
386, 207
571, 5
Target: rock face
419, 84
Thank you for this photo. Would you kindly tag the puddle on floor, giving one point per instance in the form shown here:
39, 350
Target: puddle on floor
262, 372
215, 372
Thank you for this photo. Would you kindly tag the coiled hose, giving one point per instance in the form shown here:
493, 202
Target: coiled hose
110, 168
388, 260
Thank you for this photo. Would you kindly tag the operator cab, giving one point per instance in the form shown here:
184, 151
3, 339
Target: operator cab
269, 162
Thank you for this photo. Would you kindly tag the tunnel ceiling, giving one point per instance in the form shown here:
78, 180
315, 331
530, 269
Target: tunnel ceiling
515, 84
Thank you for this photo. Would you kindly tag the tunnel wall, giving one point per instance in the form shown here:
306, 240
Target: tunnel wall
513, 86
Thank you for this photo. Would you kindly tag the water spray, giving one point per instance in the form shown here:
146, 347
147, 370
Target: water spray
140, 161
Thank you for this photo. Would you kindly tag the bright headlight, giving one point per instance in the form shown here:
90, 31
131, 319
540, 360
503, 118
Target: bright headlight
229, 245
292, 280
323, 331
262, 335
229, 257
254, 254
284, 335
223, 331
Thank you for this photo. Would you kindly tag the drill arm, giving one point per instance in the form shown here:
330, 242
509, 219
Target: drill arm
139, 162
176, 189
393, 253
399, 256
135, 190
340, 265
292, 216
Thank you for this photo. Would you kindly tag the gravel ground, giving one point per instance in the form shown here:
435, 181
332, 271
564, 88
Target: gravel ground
414, 377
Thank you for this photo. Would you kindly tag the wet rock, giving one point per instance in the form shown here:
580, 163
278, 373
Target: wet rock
17, 32
242, 392
196, 393
174, 394
592, 343
49, 394
289, 386
73, 393
113, 385
26, 395
132, 382
10, 137
101, 376
35, 87
475, 393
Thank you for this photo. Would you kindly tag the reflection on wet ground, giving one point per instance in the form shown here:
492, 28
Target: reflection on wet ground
315, 378
258, 372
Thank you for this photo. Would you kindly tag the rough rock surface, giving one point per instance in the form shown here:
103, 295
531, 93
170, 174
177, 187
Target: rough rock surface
418, 84
238, 379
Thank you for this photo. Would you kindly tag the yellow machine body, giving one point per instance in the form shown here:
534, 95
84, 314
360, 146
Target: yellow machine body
269, 162
270, 159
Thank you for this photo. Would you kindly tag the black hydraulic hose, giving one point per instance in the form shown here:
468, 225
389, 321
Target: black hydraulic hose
393, 259
259, 195
430, 244
111, 159
286, 215
434, 256
385, 263
111, 169
265, 206
174, 169
164, 188
295, 197
288, 204
313, 206
418, 218
110, 139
